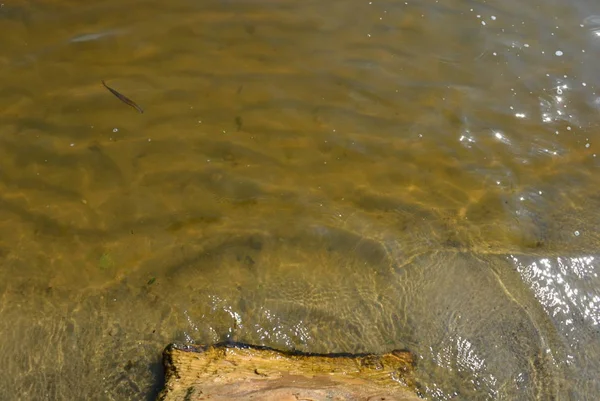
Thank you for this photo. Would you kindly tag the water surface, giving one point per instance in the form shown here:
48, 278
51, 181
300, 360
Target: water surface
341, 176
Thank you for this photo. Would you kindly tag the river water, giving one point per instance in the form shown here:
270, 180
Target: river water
340, 176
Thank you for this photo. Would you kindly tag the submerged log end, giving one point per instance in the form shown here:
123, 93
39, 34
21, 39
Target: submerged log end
233, 371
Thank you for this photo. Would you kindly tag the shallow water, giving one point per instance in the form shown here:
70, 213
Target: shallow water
332, 176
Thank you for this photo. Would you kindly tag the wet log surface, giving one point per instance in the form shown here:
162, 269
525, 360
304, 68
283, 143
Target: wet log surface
233, 371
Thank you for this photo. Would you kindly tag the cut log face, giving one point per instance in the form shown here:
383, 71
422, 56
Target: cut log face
233, 371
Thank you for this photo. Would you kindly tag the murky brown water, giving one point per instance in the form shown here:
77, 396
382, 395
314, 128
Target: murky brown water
326, 176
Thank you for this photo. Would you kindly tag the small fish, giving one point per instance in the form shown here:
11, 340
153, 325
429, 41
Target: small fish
123, 98
86, 37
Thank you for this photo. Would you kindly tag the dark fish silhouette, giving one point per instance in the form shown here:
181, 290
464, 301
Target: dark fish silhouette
123, 98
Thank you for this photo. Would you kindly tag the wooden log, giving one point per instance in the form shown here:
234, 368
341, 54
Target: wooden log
233, 371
